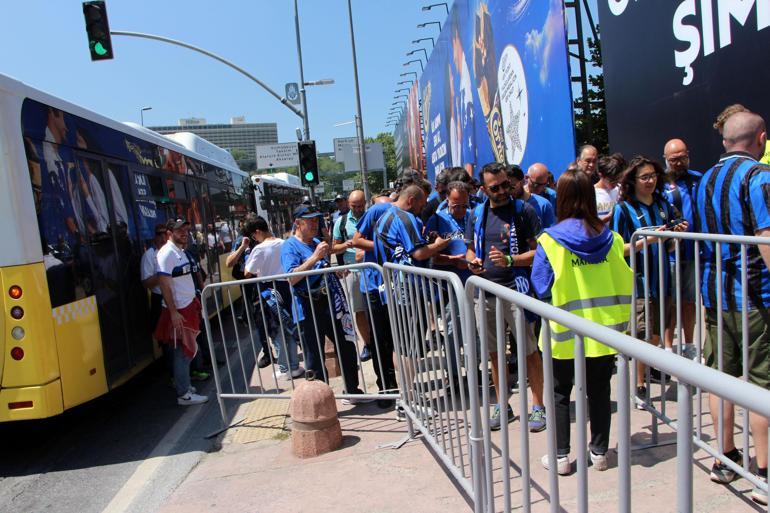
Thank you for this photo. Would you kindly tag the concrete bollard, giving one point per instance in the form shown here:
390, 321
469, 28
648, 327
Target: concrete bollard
315, 428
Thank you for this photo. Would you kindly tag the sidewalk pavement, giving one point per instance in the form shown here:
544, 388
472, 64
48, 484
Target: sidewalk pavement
255, 471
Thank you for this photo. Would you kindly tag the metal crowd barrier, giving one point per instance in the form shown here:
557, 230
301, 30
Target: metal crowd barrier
487, 482
427, 319
726, 249
260, 320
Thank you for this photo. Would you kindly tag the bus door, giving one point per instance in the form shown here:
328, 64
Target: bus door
128, 242
99, 261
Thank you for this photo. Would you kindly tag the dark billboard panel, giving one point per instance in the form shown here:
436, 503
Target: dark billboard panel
671, 67
497, 88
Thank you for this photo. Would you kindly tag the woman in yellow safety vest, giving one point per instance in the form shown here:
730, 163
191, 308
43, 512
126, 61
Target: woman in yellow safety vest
579, 267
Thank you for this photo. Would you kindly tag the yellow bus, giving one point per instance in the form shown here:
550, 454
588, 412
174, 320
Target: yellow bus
80, 197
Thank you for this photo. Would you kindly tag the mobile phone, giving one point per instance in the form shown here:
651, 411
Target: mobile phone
674, 222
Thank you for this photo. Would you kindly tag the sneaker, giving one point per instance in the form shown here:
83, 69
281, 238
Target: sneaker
641, 397
721, 473
689, 352
563, 465
265, 361
599, 461
192, 390
198, 375
759, 495
400, 413
191, 398
494, 420
298, 372
537, 419
354, 401
366, 354
656, 376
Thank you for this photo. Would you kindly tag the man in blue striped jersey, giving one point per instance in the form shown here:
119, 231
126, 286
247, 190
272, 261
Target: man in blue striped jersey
733, 199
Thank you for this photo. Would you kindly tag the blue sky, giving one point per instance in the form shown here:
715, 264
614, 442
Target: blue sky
44, 45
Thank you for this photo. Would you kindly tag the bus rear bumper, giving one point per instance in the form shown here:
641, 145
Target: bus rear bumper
27, 403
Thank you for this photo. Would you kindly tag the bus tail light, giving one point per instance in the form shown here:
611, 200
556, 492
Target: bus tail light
15, 292
17, 353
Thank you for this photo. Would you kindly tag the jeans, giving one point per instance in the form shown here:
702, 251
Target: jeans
382, 343
327, 325
598, 375
181, 371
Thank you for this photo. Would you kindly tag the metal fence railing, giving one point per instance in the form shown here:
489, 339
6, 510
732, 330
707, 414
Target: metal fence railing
437, 390
490, 487
294, 319
682, 276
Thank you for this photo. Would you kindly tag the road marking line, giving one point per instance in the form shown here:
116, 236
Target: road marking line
122, 501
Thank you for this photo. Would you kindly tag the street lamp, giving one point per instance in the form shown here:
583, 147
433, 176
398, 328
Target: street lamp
407, 63
432, 41
410, 73
401, 96
402, 89
418, 50
431, 6
323, 81
141, 113
423, 25
410, 82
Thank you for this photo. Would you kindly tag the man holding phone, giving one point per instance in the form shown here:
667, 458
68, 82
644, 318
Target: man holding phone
504, 242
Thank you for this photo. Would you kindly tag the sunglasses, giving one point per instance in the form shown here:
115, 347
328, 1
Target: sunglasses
647, 178
537, 184
504, 186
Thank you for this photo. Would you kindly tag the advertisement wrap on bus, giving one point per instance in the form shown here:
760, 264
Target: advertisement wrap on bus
84, 198
497, 87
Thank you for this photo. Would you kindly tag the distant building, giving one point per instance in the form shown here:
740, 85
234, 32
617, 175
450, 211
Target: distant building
236, 135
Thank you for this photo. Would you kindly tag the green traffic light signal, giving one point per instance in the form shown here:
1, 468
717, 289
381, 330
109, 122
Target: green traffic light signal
99, 48
309, 176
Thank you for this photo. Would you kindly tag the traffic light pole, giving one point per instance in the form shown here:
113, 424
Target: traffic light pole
214, 56
302, 92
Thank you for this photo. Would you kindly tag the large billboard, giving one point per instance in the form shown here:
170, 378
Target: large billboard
671, 67
497, 87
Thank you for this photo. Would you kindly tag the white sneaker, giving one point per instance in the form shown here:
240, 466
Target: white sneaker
563, 465
355, 400
298, 372
599, 461
190, 398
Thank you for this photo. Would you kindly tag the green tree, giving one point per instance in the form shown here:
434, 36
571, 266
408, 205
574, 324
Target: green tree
593, 132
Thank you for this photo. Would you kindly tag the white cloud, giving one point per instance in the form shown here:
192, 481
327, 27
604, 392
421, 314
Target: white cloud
540, 42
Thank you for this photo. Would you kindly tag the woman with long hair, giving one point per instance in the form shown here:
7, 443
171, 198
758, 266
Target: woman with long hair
580, 267
642, 205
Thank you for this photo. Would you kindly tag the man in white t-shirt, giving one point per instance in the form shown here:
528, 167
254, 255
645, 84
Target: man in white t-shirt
149, 274
609, 170
225, 234
265, 260
179, 321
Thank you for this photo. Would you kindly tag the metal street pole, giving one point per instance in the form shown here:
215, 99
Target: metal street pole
301, 74
303, 96
141, 113
359, 119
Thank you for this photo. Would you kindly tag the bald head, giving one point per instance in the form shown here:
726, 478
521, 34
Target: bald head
677, 157
537, 178
411, 199
745, 131
357, 203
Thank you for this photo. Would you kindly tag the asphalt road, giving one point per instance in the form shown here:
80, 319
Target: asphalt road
123, 452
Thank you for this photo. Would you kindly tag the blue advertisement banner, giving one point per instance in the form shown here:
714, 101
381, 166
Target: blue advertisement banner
497, 87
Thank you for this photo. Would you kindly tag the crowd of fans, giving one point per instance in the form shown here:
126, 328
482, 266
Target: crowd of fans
567, 243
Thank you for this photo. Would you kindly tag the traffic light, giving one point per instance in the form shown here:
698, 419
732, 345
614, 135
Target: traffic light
98, 30
308, 163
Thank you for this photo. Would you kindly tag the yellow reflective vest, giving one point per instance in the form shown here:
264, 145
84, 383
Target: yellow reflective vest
599, 292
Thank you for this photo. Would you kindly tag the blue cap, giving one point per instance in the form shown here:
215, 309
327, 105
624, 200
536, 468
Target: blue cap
306, 212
